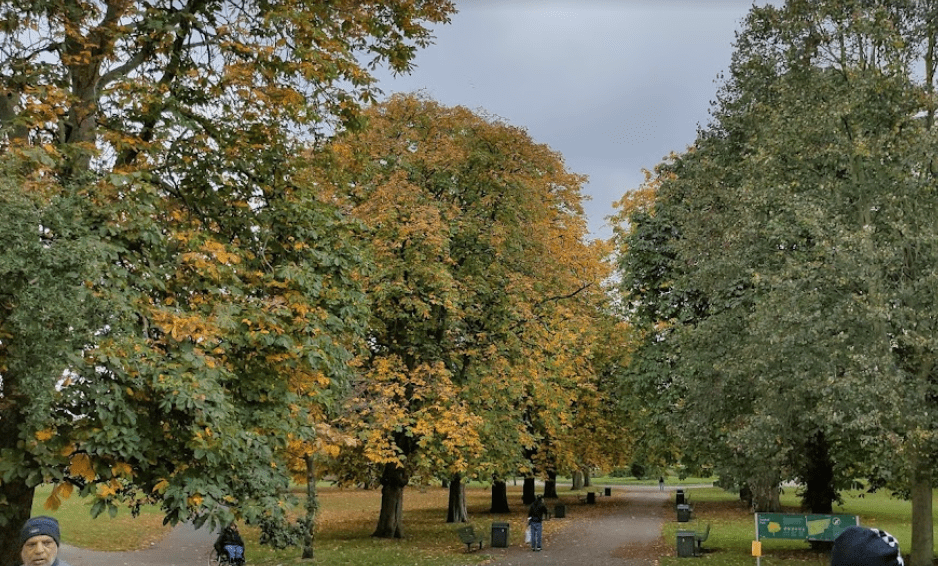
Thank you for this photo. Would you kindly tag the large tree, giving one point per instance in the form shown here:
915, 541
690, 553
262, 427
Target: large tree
805, 215
225, 281
478, 241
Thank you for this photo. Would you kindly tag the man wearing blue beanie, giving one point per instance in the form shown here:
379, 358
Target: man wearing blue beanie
858, 546
39, 542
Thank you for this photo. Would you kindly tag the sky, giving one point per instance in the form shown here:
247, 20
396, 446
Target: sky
614, 86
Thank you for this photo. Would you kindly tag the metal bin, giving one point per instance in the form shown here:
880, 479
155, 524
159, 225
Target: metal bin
683, 513
685, 544
500, 535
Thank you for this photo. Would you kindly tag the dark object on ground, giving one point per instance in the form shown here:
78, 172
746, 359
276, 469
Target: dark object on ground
683, 513
700, 538
500, 535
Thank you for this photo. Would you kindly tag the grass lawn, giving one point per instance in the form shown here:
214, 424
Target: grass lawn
733, 527
346, 520
122, 532
348, 517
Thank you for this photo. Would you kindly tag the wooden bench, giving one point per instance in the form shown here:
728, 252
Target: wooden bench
700, 538
469, 537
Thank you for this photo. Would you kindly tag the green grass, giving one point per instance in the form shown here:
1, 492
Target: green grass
733, 528
348, 517
122, 532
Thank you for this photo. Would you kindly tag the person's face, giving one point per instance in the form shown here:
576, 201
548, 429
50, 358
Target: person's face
39, 550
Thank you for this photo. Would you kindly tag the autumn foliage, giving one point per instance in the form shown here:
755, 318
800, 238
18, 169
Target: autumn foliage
484, 297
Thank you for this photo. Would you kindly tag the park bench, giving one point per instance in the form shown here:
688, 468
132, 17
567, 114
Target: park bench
469, 537
700, 538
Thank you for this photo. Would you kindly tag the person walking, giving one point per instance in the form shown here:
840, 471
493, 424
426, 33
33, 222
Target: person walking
39, 542
536, 514
660, 483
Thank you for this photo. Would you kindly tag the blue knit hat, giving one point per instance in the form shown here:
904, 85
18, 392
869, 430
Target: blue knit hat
39, 526
858, 546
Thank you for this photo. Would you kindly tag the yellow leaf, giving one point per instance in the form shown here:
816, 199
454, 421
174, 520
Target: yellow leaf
194, 500
44, 435
52, 502
64, 489
161, 486
81, 466
122, 469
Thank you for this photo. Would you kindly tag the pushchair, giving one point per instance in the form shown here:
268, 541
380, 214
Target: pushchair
228, 549
230, 555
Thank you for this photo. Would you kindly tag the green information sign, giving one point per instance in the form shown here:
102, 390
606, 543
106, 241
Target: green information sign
802, 527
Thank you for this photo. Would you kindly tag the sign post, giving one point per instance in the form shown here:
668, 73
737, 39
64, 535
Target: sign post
799, 527
802, 527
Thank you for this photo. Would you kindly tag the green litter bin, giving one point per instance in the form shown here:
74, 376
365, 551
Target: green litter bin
685, 544
683, 513
499, 535
560, 511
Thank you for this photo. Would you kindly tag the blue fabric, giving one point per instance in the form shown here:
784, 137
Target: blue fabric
235, 552
40, 526
537, 530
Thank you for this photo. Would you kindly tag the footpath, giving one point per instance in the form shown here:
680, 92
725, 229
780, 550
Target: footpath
624, 530
621, 530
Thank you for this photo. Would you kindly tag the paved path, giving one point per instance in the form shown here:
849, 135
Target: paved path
183, 546
626, 533
621, 530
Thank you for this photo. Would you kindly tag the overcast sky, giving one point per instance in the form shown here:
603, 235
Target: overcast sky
612, 85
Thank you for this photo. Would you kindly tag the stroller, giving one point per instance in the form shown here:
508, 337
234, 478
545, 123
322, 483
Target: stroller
228, 549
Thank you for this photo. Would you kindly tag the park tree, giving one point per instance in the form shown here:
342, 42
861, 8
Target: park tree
645, 232
804, 214
478, 239
221, 282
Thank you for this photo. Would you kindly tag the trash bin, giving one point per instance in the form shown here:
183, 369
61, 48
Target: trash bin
685, 543
608, 491
560, 511
679, 497
683, 513
500, 535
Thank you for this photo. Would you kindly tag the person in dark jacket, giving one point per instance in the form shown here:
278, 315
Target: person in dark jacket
39, 542
859, 546
230, 544
536, 514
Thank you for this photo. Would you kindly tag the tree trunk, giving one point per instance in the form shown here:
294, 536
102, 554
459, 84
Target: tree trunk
312, 507
18, 501
550, 486
391, 519
499, 497
16, 497
587, 480
456, 512
527, 491
819, 493
577, 480
922, 521
765, 495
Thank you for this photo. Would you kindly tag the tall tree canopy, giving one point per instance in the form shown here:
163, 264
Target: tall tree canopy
480, 268
803, 220
226, 289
